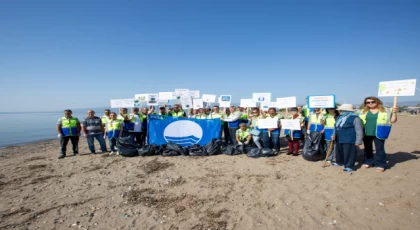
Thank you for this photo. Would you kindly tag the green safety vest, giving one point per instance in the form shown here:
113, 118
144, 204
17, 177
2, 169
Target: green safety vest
383, 123
178, 114
104, 119
69, 126
242, 135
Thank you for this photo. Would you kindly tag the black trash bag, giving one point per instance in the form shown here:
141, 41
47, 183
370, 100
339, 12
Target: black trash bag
266, 152
172, 149
213, 147
127, 147
197, 150
313, 149
168, 153
229, 150
249, 148
240, 149
254, 152
158, 149
186, 151
147, 150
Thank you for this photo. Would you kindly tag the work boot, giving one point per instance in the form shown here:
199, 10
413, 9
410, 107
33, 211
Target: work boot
61, 156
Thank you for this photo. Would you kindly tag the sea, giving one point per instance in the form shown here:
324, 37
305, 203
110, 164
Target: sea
19, 128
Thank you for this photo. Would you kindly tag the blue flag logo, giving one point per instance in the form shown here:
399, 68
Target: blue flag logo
182, 131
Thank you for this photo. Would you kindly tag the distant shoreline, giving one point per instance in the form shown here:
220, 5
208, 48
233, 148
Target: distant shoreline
27, 143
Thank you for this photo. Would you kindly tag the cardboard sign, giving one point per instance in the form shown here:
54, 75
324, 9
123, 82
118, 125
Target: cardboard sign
267, 123
141, 97
209, 98
266, 105
225, 100
181, 93
248, 103
397, 88
123, 103
186, 103
163, 96
261, 97
286, 102
198, 103
152, 99
194, 94
293, 124
321, 101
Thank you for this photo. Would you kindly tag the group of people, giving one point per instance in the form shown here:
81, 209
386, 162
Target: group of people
342, 128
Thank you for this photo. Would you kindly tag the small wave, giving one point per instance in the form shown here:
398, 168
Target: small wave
177, 139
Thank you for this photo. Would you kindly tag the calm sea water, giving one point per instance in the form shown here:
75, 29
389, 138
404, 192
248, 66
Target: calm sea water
23, 128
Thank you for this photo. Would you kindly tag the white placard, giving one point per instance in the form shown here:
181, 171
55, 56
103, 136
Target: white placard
266, 105
248, 103
267, 123
182, 93
225, 100
194, 94
397, 88
198, 103
286, 102
166, 96
186, 103
123, 103
321, 101
152, 99
141, 97
293, 124
261, 97
209, 98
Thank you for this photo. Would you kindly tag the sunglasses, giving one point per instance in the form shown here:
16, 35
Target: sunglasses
370, 102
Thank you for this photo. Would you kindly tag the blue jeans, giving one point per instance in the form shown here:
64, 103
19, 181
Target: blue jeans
346, 155
379, 160
100, 138
272, 140
112, 143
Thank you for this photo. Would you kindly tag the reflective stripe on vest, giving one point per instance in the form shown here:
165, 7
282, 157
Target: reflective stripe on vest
329, 127
316, 125
69, 126
113, 128
383, 124
242, 135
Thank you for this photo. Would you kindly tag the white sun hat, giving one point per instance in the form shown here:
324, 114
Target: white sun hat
346, 107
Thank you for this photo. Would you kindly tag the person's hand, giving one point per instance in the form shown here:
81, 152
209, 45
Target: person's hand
322, 131
308, 131
357, 145
395, 109
246, 142
240, 143
59, 135
105, 136
84, 135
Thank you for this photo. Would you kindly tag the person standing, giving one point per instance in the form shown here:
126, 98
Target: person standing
105, 117
255, 132
68, 128
201, 114
92, 128
113, 130
329, 122
216, 114
349, 136
377, 121
233, 120
271, 136
293, 136
144, 113
162, 112
123, 117
136, 133
177, 112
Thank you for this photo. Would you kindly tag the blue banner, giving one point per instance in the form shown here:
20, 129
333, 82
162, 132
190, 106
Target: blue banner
182, 131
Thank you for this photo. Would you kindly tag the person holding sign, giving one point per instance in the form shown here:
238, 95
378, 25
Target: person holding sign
256, 132
177, 112
271, 136
144, 113
233, 119
315, 124
377, 121
293, 136
216, 114
123, 117
348, 136
162, 112
113, 130
136, 134
201, 114
243, 135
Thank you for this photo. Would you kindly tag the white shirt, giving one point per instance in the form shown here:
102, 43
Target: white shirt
137, 124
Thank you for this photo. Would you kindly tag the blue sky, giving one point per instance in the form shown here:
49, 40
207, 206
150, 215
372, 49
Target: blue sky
80, 54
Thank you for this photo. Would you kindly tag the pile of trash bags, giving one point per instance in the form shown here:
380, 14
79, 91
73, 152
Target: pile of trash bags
128, 148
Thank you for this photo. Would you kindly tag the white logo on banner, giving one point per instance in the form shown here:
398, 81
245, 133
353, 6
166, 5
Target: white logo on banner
183, 133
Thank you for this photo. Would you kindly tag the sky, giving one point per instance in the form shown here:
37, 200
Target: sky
56, 55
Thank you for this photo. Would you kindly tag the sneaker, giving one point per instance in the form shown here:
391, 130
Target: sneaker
118, 153
111, 153
93, 152
337, 164
348, 170
379, 169
61, 156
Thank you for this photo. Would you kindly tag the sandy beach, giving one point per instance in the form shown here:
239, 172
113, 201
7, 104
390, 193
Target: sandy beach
39, 191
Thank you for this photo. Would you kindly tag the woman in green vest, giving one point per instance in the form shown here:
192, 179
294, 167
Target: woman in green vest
113, 130
243, 135
329, 122
377, 121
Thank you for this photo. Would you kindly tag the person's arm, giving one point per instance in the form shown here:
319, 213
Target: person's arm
248, 139
235, 117
237, 138
308, 127
58, 128
121, 129
359, 131
394, 114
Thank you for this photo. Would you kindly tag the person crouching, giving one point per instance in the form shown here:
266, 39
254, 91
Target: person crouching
348, 131
243, 135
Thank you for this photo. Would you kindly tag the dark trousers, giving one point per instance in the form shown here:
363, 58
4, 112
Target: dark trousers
346, 154
144, 137
112, 143
293, 145
226, 133
271, 141
232, 134
137, 136
379, 159
74, 142
125, 133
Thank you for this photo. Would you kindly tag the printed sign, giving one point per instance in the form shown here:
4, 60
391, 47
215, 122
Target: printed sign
166, 96
261, 97
198, 103
267, 123
194, 94
181, 93
286, 102
397, 88
123, 103
321, 101
293, 124
248, 103
209, 98
152, 99
186, 103
141, 97
266, 105
225, 100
